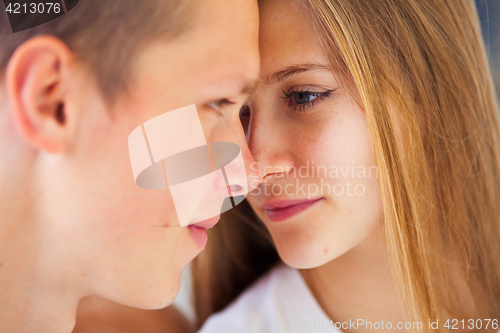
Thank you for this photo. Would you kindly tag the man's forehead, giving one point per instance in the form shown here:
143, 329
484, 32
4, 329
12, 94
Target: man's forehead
236, 84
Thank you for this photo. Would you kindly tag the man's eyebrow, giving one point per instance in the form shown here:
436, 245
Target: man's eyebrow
238, 85
293, 70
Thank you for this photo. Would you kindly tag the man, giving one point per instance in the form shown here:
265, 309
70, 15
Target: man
73, 222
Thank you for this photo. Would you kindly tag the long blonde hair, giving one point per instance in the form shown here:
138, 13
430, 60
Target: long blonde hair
418, 68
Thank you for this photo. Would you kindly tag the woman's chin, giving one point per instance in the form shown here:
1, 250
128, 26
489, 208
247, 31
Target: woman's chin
303, 257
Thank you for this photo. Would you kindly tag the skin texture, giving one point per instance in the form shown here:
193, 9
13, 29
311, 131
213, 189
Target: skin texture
74, 223
98, 315
339, 241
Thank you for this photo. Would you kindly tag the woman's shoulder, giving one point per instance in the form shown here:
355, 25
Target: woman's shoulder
277, 302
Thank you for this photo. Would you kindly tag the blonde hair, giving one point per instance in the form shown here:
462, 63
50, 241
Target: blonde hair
418, 69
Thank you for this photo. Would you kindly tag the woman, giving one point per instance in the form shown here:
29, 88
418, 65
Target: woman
388, 109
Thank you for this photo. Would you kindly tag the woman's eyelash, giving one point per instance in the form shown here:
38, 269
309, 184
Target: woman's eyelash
244, 110
291, 95
290, 92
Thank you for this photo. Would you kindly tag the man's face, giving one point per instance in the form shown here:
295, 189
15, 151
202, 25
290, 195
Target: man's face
115, 228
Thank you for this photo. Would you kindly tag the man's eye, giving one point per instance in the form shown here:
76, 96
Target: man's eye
216, 105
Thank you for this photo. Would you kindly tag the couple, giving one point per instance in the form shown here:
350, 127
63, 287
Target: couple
344, 87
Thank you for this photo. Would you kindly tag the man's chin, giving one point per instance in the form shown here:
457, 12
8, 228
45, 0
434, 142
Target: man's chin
153, 296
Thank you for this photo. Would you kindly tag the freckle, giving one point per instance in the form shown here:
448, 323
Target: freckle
149, 286
325, 250
351, 212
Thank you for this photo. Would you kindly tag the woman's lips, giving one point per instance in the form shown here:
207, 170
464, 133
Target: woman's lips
284, 209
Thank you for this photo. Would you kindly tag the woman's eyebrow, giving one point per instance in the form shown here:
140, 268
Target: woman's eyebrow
293, 70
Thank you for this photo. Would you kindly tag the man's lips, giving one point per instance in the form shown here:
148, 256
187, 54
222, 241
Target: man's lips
207, 224
283, 209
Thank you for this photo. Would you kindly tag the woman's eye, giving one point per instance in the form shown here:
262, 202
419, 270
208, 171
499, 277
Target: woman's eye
245, 117
244, 111
303, 97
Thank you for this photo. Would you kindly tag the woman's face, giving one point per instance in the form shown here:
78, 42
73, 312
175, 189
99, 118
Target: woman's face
312, 142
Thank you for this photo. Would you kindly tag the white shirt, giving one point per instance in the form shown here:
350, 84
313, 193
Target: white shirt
279, 302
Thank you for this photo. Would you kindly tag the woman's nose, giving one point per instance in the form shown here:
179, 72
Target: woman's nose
269, 146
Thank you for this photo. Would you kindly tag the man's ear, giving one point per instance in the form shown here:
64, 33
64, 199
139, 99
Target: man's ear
36, 79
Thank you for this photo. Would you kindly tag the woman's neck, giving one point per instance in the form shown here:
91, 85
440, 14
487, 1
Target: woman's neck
358, 287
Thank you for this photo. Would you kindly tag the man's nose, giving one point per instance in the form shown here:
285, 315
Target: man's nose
227, 157
242, 177
252, 169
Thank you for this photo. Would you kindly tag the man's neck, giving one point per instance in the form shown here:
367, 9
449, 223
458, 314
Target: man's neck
34, 309
37, 296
